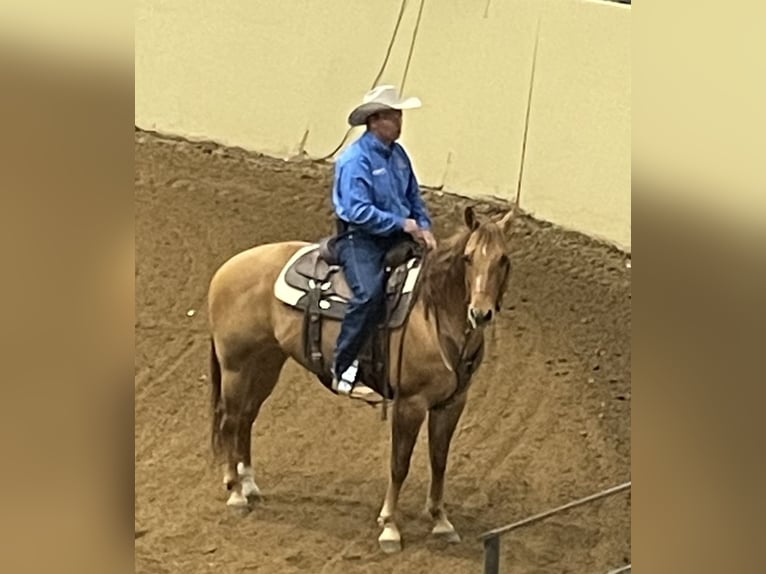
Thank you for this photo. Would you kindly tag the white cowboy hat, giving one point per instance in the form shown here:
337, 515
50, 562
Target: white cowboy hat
378, 99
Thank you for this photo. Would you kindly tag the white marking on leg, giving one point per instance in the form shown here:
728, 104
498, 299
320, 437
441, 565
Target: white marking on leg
249, 488
385, 513
247, 480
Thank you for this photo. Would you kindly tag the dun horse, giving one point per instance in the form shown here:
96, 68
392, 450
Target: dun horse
433, 355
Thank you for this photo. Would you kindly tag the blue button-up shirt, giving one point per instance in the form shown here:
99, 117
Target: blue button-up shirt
375, 188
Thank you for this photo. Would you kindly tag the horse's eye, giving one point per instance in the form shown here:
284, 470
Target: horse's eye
505, 261
468, 259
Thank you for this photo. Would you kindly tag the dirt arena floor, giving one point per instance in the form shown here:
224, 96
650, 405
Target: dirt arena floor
548, 417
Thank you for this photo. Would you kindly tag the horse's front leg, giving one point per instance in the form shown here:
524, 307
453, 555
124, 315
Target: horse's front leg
441, 427
407, 418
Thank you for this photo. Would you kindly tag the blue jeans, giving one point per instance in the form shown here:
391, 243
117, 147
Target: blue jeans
362, 258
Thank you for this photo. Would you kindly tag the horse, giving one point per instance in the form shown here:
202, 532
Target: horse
433, 355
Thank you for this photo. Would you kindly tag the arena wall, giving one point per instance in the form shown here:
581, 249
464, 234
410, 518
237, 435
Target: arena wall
279, 77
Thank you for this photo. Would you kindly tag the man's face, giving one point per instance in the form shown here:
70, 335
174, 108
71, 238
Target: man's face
387, 125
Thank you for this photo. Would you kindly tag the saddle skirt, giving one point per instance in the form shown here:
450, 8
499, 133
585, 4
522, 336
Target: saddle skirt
306, 271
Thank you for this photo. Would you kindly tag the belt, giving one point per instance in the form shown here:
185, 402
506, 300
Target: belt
341, 226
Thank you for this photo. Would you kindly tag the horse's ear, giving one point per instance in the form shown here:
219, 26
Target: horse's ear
470, 218
507, 220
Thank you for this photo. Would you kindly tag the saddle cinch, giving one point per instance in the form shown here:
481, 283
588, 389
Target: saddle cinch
313, 282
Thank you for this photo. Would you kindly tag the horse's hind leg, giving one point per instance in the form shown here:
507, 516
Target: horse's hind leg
264, 374
441, 427
257, 380
234, 399
245, 471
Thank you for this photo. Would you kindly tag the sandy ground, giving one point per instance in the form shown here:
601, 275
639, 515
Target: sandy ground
548, 417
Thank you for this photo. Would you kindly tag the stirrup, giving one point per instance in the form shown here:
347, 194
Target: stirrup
364, 393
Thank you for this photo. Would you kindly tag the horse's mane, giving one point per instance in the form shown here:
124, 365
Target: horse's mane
442, 268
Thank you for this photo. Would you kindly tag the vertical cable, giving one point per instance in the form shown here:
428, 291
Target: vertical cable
380, 72
412, 46
526, 119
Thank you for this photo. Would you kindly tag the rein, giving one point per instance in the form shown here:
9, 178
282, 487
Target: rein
463, 369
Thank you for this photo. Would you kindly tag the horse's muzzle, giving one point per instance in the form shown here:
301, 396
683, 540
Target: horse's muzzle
478, 318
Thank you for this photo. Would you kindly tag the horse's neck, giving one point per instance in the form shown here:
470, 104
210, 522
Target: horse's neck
449, 317
449, 311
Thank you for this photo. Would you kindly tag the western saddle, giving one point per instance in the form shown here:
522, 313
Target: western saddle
313, 282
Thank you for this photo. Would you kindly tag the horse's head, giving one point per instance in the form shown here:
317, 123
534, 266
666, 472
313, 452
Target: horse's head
487, 267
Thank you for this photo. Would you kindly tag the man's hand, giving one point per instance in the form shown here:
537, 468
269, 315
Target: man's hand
428, 238
418, 234
411, 226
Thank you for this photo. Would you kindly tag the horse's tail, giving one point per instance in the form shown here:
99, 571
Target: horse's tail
216, 408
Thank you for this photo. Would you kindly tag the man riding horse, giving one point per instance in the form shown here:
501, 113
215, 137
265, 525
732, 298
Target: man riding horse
378, 205
254, 329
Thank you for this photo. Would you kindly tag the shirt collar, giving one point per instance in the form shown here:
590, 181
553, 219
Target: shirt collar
374, 144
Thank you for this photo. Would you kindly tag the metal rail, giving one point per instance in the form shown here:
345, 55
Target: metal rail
620, 570
491, 538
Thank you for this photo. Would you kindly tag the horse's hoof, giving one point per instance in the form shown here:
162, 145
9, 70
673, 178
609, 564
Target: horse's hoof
237, 501
451, 537
446, 532
250, 489
247, 480
390, 546
390, 540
